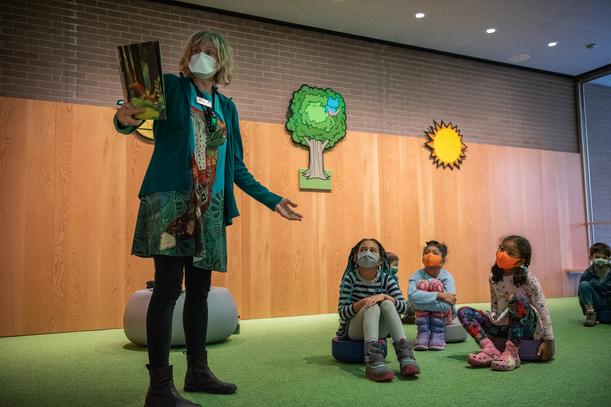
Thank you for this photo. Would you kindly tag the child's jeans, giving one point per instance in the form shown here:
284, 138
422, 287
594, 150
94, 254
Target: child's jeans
588, 295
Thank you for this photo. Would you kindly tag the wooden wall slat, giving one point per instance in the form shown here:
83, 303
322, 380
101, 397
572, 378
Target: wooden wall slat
68, 205
13, 148
38, 171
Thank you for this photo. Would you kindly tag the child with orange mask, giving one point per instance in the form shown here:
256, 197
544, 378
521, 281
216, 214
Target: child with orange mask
433, 293
518, 310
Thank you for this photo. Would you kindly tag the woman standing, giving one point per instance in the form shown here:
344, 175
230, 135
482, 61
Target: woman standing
187, 200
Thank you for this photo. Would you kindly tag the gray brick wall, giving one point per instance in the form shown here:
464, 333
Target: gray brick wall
66, 51
598, 124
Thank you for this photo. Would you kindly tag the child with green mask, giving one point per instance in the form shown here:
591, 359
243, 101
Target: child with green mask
595, 285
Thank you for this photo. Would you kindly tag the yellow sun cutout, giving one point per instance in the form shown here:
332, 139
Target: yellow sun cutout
445, 143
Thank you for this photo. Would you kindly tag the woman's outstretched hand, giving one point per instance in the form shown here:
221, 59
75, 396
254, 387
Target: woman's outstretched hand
285, 208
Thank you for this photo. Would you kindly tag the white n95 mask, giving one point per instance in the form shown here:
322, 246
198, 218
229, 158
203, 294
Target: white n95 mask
202, 66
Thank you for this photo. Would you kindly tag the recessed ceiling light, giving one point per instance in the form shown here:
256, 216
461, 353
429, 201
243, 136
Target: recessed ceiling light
552, 44
491, 30
419, 15
519, 58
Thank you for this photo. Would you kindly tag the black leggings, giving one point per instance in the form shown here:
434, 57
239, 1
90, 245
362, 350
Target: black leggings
168, 286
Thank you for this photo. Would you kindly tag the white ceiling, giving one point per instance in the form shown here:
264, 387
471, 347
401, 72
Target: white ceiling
458, 26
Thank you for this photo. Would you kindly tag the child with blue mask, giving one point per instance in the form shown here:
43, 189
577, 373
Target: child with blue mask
370, 302
595, 285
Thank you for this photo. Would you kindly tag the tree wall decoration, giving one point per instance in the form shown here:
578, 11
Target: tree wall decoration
317, 120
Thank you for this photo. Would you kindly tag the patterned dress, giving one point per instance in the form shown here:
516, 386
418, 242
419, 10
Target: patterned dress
190, 223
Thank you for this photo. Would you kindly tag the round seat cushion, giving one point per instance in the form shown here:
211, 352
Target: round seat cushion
455, 332
346, 350
222, 316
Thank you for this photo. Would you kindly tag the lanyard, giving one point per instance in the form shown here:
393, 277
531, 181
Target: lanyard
209, 111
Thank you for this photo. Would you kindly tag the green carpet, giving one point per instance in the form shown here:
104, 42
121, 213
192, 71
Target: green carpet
287, 362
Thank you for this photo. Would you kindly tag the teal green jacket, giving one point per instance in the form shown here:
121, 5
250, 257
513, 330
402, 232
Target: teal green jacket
170, 165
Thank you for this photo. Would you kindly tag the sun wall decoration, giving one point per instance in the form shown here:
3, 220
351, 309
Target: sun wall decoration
445, 142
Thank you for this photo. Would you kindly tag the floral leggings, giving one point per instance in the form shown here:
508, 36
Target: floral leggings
522, 322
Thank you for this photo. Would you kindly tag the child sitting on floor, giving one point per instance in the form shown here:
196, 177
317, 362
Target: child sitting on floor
370, 303
433, 293
595, 285
518, 310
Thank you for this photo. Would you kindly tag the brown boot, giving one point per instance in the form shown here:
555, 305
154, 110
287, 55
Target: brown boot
200, 378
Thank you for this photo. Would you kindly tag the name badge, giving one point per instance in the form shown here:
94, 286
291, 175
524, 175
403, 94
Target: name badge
203, 102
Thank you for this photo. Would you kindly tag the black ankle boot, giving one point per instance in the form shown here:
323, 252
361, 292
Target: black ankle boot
161, 392
200, 378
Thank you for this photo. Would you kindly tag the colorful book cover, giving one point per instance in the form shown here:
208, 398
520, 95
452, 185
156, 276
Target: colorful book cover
142, 78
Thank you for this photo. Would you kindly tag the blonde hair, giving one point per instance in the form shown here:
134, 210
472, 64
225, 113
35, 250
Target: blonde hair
223, 51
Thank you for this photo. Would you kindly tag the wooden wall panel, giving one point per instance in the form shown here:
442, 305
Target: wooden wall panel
68, 205
26, 214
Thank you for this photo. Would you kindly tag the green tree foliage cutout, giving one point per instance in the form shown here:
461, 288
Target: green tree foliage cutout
317, 119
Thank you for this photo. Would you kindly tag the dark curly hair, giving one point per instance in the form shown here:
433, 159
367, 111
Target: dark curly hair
441, 246
525, 251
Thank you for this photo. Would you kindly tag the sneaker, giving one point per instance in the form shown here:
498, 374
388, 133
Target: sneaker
590, 318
